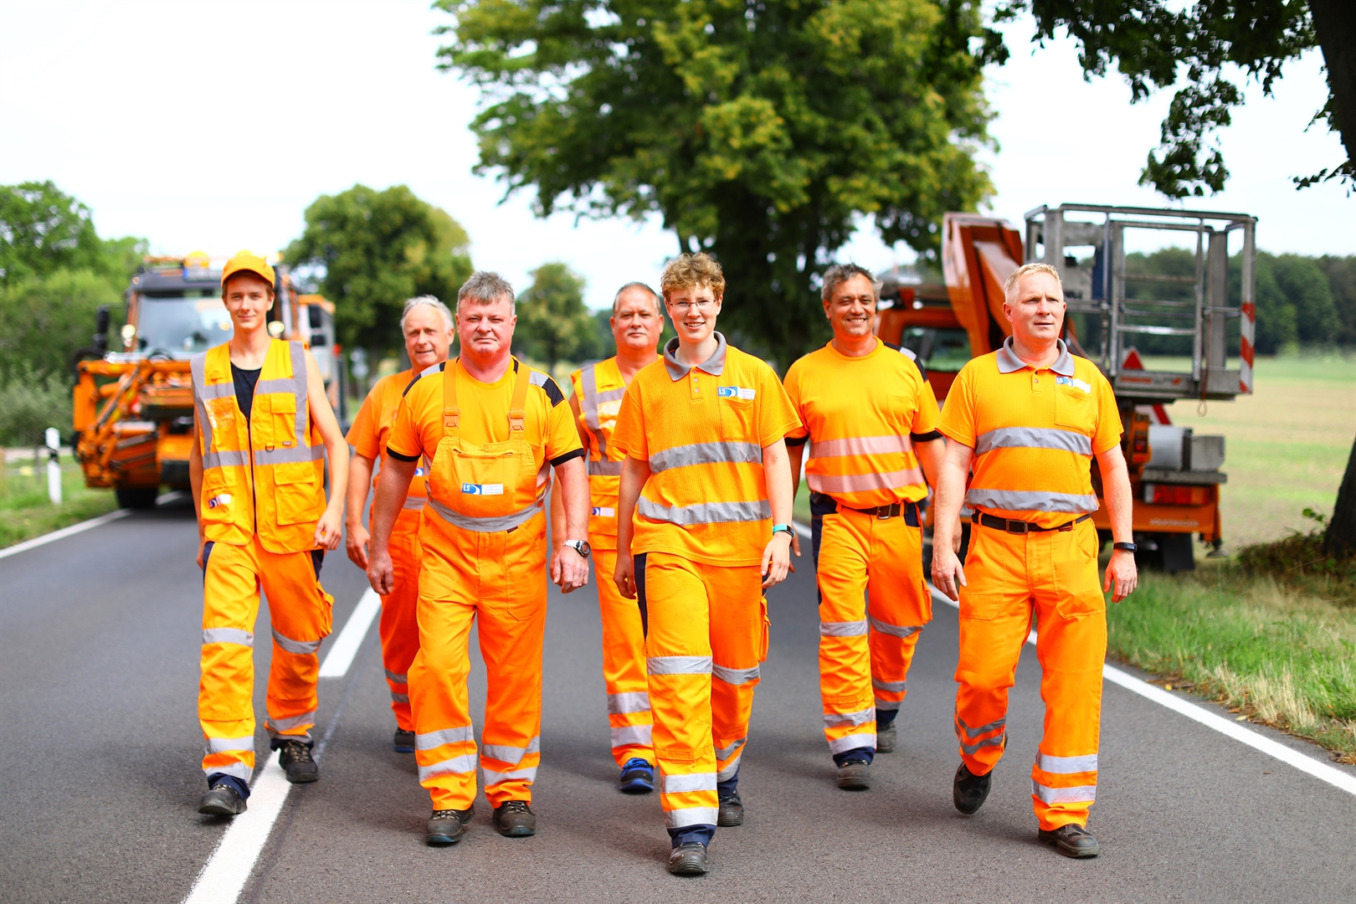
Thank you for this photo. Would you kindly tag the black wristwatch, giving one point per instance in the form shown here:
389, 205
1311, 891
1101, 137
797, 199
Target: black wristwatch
1127, 547
580, 546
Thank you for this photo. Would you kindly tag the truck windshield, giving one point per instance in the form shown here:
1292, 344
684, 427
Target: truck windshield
180, 326
938, 349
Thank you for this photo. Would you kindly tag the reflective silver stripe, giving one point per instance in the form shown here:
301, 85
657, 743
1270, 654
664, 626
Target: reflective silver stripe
226, 745
234, 770
842, 628
890, 687
631, 736
457, 765
605, 468
228, 635
286, 455
299, 647
983, 729
689, 816
861, 483
413, 503
1075, 795
485, 525
588, 404
227, 459
894, 630
972, 749
735, 676
682, 784
852, 742
201, 392
860, 717
730, 771
887, 705
705, 454
632, 702
398, 679
705, 512
510, 755
279, 384
275, 726
1066, 765
1030, 501
1033, 438
724, 753
517, 775
434, 739
678, 665
537, 378
400, 698
860, 445
298, 352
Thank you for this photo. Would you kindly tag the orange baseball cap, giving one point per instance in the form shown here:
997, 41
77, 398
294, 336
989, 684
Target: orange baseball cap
248, 262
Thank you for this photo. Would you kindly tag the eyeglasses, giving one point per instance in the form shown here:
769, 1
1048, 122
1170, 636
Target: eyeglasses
682, 307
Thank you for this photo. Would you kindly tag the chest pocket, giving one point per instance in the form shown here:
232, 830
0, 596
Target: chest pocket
223, 413
1075, 409
274, 421
738, 414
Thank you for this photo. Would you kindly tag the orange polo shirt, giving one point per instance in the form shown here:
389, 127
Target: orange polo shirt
1034, 432
371, 428
702, 430
862, 416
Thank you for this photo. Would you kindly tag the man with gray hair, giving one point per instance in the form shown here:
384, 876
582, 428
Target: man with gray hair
427, 327
491, 429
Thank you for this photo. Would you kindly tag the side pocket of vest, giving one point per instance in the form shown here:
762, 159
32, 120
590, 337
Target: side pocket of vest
294, 492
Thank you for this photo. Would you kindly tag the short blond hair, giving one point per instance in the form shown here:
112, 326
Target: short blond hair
689, 271
1011, 282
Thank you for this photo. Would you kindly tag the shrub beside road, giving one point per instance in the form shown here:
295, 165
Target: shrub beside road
26, 513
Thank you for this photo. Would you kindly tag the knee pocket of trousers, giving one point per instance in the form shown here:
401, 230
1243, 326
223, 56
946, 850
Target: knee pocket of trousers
1076, 580
983, 606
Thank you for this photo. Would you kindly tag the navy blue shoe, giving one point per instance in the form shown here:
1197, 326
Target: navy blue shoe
637, 777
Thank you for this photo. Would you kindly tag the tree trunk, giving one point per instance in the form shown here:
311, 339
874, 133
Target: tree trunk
1335, 27
1340, 539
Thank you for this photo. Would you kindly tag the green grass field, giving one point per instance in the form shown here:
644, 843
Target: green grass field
25, 511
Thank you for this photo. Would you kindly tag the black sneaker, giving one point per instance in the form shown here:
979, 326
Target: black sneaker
403, 741
1071, 840
447, 826
688, 859
222, 800
730, 812
295, 758
968, 790
854, 775
886, 739
515, 819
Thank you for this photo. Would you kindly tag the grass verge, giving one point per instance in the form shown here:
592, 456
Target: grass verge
26, 513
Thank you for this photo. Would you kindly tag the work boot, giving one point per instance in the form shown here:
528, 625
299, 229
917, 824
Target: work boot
886, 739
968, 791
447, 826
222, 800
854, 775
1071, 840
515, 819
403, 741
730, 813
295, 758
637, 777
688, 859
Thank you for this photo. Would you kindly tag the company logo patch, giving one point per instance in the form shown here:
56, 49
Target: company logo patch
223, 499
735, 392
1074, 382
421, 472
603, 512
483, 489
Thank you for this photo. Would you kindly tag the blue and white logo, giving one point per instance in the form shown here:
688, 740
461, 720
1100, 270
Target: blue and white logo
1075, 382
735, 392
483, 489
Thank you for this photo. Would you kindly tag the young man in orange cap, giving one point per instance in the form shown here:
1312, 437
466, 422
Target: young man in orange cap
703, 527
426, 324
263, 428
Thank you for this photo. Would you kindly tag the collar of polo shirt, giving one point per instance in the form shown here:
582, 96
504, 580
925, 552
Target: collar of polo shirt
1008, 362
713, 365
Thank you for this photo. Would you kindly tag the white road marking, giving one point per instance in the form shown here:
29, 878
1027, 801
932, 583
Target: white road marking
346, 645
81, 527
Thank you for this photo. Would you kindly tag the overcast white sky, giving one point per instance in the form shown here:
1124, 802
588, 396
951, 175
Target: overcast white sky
213, 124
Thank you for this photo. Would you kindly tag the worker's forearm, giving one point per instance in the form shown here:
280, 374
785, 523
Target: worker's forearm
1118, 495
634, 474
574, 490
955, 464
930, 455
393, 483
794, 455
777, 473
359, 476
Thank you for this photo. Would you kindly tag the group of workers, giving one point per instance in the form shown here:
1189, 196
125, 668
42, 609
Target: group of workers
675, 471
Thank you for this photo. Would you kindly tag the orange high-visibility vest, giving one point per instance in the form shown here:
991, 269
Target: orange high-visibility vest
600, 388
263, 476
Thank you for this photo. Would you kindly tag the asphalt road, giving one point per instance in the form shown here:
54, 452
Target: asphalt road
99, 779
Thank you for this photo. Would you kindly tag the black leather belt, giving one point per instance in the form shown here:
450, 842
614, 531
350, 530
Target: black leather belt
1026, 527
822, 504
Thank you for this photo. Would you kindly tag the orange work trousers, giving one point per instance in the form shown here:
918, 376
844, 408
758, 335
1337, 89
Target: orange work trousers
873, 605
299, 610
498, 582
1051, 575
628, 690
399, 625
706, 633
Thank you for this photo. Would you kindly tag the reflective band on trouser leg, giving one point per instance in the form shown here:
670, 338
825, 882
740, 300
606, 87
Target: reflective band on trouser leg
899, 606
1071, 646
225, 704
736, 599
398, 626
628, 690
995, 617
300, 611
844, 653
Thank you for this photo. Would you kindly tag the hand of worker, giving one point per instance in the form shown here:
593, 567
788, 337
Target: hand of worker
355, 541
948, 575
569, 570
795, 547
381, 572
202, 545
329, 530
956, 538
624, 575
1121, 574
777, 558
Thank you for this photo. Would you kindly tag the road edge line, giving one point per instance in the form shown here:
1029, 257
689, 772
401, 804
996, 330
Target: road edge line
350, 639
228, 868
63, 533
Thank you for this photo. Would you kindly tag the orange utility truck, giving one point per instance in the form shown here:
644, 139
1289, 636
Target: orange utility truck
1199, 322
134, 404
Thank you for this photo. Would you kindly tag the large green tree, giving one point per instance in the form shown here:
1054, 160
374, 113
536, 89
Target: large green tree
553, 323
1205, 49
44, 230
371, 250
759, 132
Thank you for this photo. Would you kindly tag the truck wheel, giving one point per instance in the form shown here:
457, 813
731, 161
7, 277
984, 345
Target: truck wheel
136, 497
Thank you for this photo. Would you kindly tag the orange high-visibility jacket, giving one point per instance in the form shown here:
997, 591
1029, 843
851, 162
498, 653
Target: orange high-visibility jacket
599, 388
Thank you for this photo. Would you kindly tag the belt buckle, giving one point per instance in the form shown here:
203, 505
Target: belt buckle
1024, 529
883, 513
